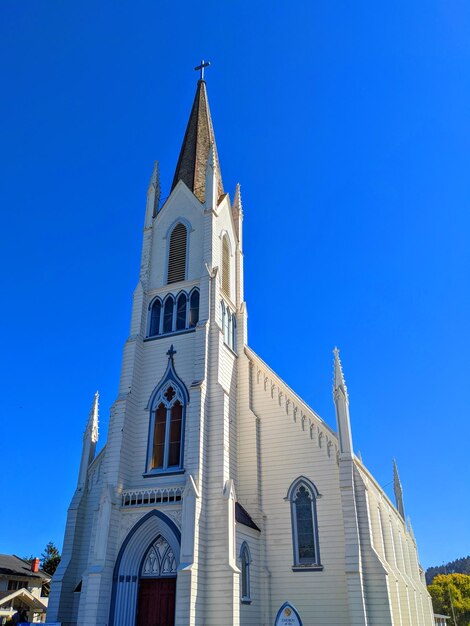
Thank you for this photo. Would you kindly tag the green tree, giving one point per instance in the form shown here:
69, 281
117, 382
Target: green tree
50, 558
452, 589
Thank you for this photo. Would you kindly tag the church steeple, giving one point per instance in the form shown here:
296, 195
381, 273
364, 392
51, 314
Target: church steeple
194, 155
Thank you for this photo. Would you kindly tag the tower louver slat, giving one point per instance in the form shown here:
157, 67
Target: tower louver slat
177, 254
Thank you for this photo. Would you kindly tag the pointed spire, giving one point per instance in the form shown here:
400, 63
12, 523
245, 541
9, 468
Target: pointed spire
153, 195
397, 488
199, 136
237, 206
90, 438
340, 396
339, 384
91, 429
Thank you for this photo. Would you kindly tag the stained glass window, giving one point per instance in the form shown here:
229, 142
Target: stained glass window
302, 495
305, 533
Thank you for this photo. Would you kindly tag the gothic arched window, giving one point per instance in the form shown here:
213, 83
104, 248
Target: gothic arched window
245, 562
302, 495
225, 265
167, 429
194, 308
177, 254
155, 317
168, 315
181, 311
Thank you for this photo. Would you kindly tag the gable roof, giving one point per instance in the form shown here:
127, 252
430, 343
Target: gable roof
12, 565
199, 135
243, 517
27, 597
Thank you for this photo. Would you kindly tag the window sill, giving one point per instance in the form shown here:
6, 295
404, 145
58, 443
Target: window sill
172, 334
169, 472
245, 600
307, 568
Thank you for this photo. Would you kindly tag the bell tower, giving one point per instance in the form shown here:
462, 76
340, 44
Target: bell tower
173, 425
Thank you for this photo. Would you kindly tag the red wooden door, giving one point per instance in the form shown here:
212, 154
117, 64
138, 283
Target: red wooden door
156, 606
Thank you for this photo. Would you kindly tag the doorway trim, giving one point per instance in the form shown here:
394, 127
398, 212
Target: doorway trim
129, 561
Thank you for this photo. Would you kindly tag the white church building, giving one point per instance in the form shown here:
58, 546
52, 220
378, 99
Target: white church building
220, 497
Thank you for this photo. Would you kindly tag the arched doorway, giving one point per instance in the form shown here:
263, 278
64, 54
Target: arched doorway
146, 566
157, 587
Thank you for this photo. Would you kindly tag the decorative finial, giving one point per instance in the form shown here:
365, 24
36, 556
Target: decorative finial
171, 352
339, 384
237, 200
200, 68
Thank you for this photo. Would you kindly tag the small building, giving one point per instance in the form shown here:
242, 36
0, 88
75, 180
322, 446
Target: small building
441, 620
23, 589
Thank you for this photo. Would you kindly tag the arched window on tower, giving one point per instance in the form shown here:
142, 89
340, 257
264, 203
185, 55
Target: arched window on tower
168, 315
194, 308
177, 254
245, 562
167, 430
155, 317
226, 266
302, 495
181, 311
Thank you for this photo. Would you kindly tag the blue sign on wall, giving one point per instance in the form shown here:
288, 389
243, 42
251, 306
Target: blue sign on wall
287, 616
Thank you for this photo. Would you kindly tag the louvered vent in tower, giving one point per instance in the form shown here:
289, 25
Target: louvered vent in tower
225, 267
177, 254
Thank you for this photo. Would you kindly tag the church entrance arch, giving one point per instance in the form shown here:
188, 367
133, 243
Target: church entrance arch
144, 581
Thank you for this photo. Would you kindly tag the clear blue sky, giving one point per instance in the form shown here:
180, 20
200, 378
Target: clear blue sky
347, 125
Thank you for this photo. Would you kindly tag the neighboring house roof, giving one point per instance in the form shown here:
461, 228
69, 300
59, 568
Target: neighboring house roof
25, 596
11, 565
243, 517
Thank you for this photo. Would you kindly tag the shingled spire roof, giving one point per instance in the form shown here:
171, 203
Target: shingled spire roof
199, 135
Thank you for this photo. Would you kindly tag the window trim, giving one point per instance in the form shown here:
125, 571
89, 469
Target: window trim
245, 550
291, 497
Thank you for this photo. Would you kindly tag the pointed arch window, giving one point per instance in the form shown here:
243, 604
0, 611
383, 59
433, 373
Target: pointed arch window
167, 429
173, 315
225, 265
302, 496
245, 562
181, 311
155, 317
177, 254
194, 308
168, 315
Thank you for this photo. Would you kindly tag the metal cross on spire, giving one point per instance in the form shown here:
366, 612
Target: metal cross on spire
201, 68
